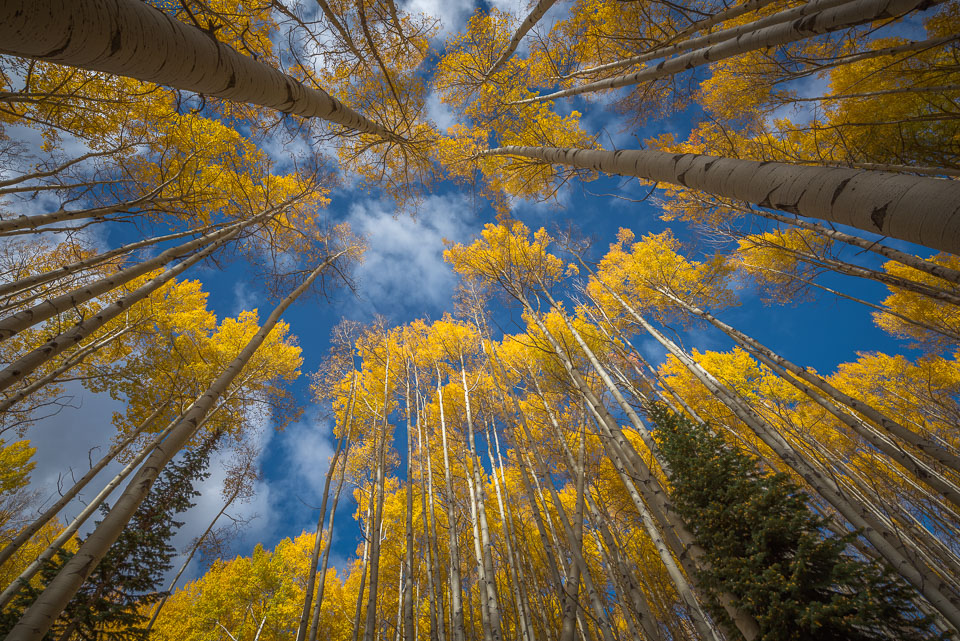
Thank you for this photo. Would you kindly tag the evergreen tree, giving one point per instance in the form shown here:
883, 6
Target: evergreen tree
768, 549
109, 605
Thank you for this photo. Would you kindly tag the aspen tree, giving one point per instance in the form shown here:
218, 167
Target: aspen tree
92, 36
38, 618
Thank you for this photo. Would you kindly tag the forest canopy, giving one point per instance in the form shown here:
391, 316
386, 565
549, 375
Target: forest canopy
592, 319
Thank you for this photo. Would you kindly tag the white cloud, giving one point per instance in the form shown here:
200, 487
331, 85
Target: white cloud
403, 270
452, 14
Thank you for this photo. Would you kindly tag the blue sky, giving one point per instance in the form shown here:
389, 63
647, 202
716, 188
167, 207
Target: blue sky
403, 277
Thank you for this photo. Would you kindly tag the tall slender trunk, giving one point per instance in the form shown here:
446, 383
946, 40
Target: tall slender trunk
67, 533
904, 258
489, 593
303, 626
26, 533
528, 23
409, 633
113, 36
69, 362
887, 542
369, 627
365, 558
34, 359
433, 588
744, 622
787, 370
848, 14
29, 282
193, 550
35, 622
456, 591
576, 551
49, 308
913, 208
730, 33
523, 616
314, 628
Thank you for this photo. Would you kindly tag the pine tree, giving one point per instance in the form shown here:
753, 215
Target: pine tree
109, 606
766, 547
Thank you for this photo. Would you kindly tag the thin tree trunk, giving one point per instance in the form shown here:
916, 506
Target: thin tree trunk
806, 9
35, 622
24, 535
113, 36
15, 287
782, 366
886, 541
408, 625
848, 14
523, 617
303, 626
369, 627
67, 533
489, 594
436, 622
26, 364
456, 592
71, 361
193, 550
30, 224
528, 23
49, 308
314, 629
926, 266
917, 209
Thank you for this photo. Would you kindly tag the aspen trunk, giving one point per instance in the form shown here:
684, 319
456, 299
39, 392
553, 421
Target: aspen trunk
40, 616
11, 590
24, 284
456, 591
436, 622
70, 494
532, 18
913, 208
576, 552
369, 627
30, 224
303, 626
745, 623
883, 538
489, 594
49, 308
314, 628
859, 271
903, 258
784, 368
193, 550
367, 534
136, 40
723, 35
71, 361
847, 14
34, 359
519, 604
409, 633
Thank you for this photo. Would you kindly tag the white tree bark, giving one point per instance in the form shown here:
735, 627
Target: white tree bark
134, 39
49, 308
846, 15
917, 209
58, 593
63, 271
532, 18
34, 359
718, 36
